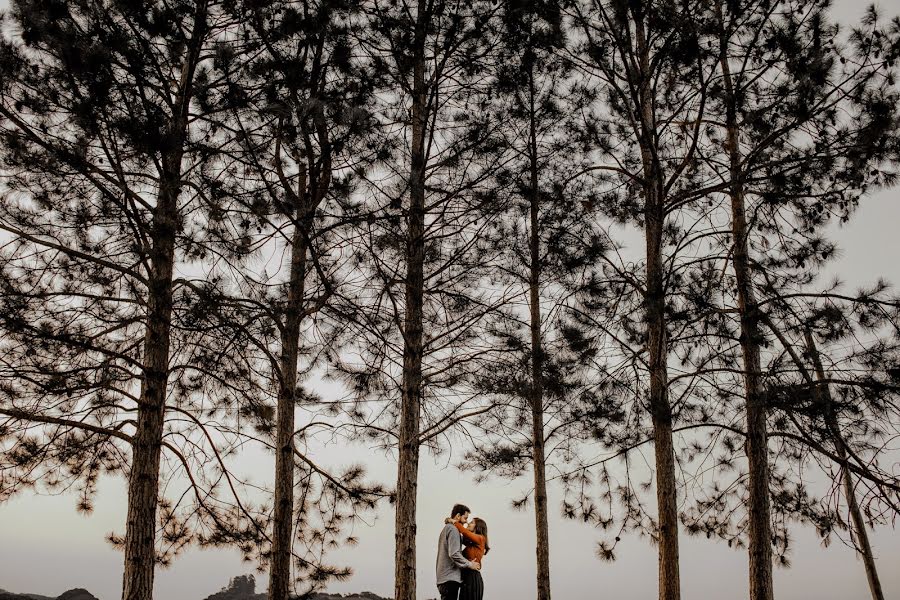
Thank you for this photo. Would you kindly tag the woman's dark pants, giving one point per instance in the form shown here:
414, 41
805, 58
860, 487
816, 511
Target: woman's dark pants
472, 585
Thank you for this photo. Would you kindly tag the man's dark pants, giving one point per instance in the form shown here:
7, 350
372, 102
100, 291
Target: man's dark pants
449, 590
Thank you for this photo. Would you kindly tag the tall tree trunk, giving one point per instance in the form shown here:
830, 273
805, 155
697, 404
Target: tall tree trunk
143, 479
537, 378
660, 409
756, 442
411, 387
858, 529
280, 582
657, 342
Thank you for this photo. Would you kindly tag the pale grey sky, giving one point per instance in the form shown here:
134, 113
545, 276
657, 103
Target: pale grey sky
46, 547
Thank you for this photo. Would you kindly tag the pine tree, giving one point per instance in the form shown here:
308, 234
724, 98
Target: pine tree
550, 246
781, 85
305, 70
425, 244
299, 119
651, 76
102, 136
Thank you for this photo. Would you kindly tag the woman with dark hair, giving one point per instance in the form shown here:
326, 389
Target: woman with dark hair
475, 540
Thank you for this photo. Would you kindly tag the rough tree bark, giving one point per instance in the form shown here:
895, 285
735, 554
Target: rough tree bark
537, 379
657, 343
143, 479
411, 386
283, 515
660, 409
314, 178
858, 530
756, 441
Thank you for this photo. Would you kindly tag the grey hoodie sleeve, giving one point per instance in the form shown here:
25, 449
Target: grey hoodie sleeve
454, 549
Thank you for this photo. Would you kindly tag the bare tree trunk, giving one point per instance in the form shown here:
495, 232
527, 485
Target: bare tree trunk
657, 343
537, 378
858, 530
143, 479
660, 409
756, 441
280, 583
411, 392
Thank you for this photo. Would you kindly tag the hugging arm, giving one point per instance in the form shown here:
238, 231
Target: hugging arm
469, 538
454, 549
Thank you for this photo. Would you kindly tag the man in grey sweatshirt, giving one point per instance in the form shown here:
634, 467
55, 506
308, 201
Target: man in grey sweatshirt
450, 559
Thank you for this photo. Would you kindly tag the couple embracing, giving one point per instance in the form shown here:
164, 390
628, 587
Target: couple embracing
462, 545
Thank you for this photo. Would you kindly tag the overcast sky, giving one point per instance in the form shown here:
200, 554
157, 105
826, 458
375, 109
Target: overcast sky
46, 547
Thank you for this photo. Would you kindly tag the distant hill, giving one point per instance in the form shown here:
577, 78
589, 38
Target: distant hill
243, 587
76, 594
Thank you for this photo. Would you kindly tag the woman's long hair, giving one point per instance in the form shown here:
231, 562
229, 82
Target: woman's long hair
481, 529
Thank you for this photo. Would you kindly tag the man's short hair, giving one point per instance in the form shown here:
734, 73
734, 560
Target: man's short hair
459, 509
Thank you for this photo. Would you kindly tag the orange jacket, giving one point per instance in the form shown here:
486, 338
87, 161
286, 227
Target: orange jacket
474, 543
